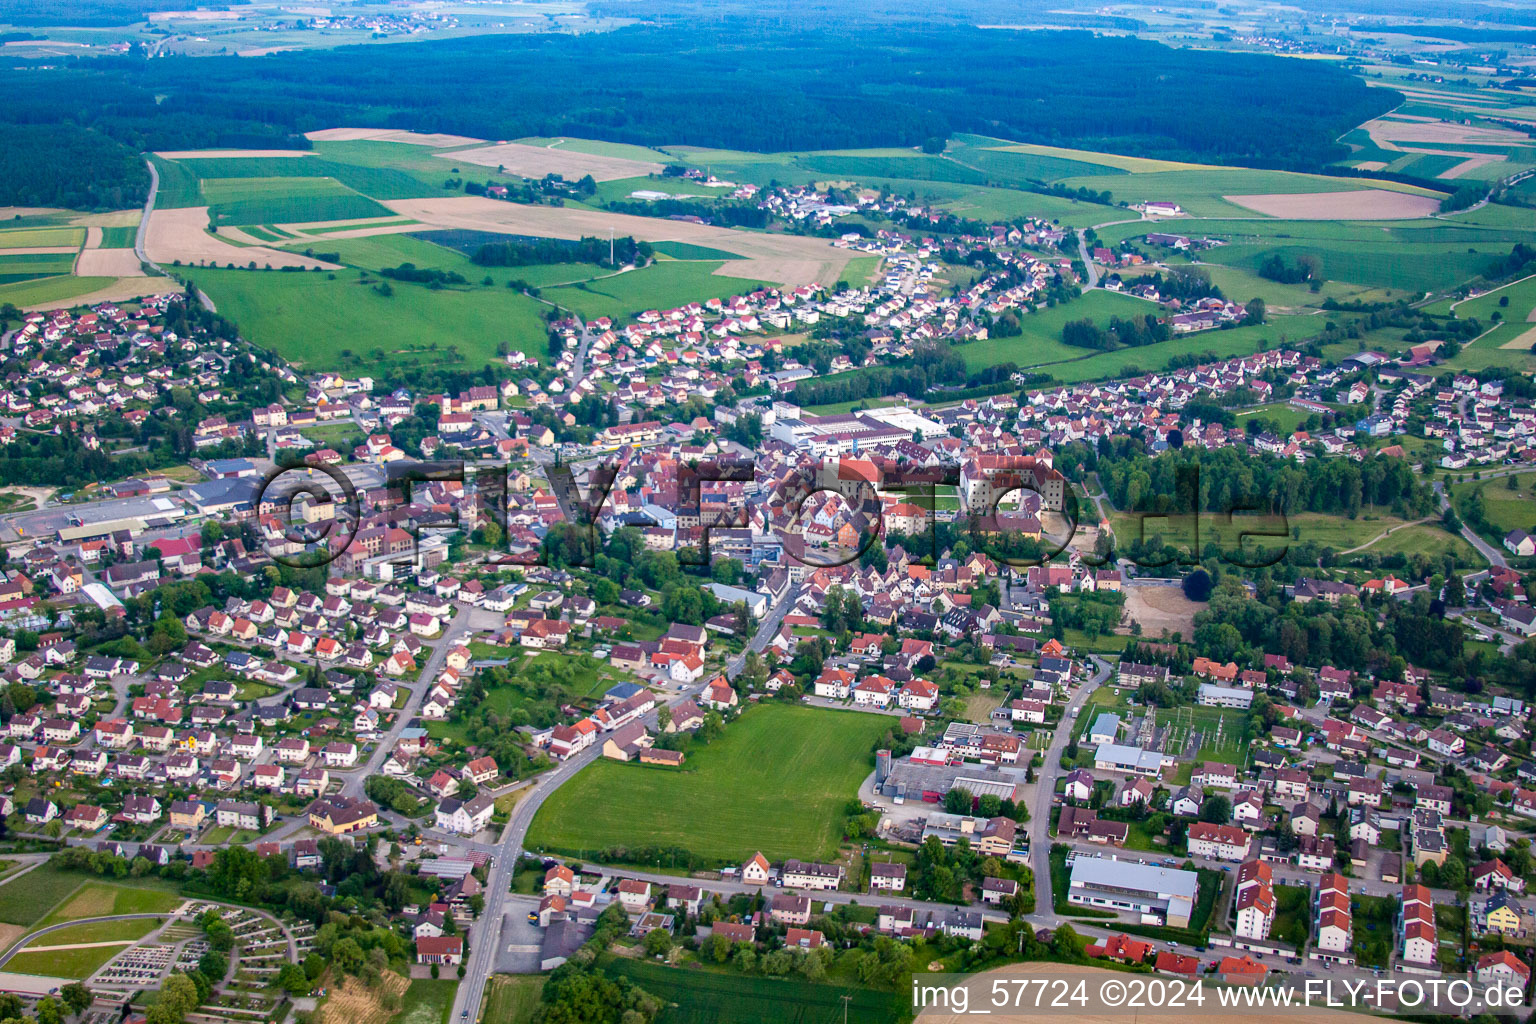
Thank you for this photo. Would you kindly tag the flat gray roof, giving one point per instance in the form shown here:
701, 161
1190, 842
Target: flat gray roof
1101, 872
1119, 753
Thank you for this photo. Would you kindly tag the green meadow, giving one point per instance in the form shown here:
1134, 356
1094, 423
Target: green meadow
777, 780
340, 320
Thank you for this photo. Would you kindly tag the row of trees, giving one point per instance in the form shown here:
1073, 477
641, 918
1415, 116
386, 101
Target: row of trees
525, 252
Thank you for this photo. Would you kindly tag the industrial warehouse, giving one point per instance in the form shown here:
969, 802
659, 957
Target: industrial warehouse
1159, 895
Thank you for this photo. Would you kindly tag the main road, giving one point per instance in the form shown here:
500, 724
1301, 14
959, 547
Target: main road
1045, 792
141, 237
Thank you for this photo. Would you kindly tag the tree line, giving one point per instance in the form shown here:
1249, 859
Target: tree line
527, 252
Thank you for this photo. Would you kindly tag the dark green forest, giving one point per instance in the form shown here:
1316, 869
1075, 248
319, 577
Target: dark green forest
88, 12
838, 86
55, 165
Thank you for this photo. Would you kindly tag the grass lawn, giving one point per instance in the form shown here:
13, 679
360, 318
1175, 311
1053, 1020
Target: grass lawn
1278, 414
1104, 643
711, 996
99, 899
224, 834
777, 780
339, 321
512, 998
435, 250
122, 929
250, 689
1338, 532
860, 270
1292, 914
64, 963
980, 705
1505, 509
427, 1001
1040, 346
1427, 539
1041, 343
661, 285
43, 887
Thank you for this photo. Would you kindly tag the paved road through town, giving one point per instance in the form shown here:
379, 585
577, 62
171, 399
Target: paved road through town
1045, 792
481, 959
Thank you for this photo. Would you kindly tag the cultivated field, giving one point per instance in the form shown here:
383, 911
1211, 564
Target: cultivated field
437, 141
108, 263
776, 781
785, 259
1360, 204
537, 161
214, 154
352, 1002
182, 234
1388, 130
317, 322
710, 997
87, 291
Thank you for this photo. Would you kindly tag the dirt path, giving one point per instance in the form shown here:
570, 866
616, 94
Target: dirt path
1387, 533
80, 945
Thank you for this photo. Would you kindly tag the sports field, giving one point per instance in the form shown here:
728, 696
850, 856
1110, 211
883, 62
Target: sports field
776, 781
